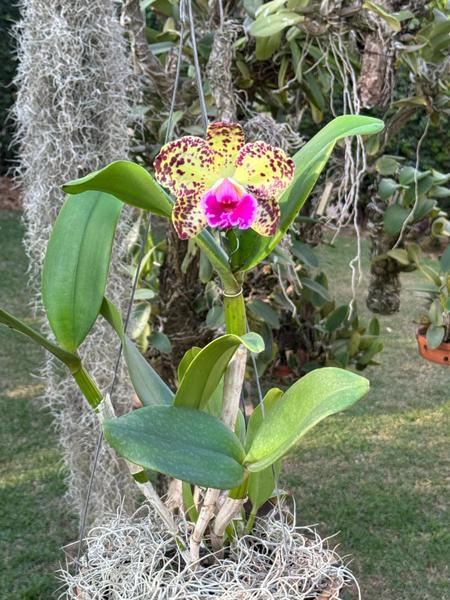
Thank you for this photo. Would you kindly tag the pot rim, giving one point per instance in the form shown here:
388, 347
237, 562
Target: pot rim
421, 333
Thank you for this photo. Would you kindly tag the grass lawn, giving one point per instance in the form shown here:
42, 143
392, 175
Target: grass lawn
378, 474
34, 520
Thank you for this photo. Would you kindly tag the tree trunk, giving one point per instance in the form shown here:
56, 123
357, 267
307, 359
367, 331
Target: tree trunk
384, 285
180, 292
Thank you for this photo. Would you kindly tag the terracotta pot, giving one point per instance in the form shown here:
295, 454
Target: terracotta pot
439, 355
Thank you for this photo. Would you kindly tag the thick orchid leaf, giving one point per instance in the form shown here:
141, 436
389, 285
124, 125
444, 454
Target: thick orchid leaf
445, 260
148, 385
180, 442
262, 485
76, 265
214, 405
309, 162
70, 360
128, 182
204, 373
319, 394
189, 502
259, 414
184, 363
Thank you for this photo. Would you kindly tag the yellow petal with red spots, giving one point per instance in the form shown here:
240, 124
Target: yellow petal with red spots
267, 217
187, 166
226, 139
263, 169
188, 217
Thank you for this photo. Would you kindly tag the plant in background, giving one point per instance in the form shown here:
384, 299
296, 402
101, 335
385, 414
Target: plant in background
302, 325
197, 433
406, 209
434, 334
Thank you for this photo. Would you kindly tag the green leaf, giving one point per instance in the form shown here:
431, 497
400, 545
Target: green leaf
207, 368
180, 442
408, 175
188, 501
431, 274
394, 217
76, 265
215, 317
267, 46
148, 385
435, 336
440, 192
71, 360
445, 260
262, 485
387, 188
264, 312
390, 19
375, 348
309, 162
435, 314
423, 186
336, 318
305, 254
316, 287
386, 165
414, 252
374, 326
184, 363
128, 182
256, 418
269, 8
317, 395
400, 255
144, 294
160, 341
265, 26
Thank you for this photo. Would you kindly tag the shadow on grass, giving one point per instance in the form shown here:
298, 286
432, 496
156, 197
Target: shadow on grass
34, 519
378, 473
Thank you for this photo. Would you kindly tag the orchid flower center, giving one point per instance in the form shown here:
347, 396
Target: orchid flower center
228, 204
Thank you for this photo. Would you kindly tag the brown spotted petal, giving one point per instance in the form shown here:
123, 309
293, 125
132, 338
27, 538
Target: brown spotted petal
188, 217
187, 167
268, 217
263, 169
226, 139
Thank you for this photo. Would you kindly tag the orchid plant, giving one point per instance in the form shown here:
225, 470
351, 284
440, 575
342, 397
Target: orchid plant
236, 201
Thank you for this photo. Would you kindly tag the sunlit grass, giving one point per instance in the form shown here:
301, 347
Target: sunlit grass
34, 519
379, 474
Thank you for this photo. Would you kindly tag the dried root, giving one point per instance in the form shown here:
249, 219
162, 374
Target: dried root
131, 558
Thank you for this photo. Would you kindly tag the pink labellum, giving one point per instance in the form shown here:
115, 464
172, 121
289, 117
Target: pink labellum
228, 205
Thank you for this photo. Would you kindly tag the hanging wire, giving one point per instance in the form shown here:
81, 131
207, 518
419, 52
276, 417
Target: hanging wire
198, 74
410, 216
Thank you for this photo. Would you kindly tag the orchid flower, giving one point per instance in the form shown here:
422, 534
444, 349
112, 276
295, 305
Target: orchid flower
222, 182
